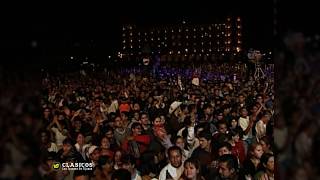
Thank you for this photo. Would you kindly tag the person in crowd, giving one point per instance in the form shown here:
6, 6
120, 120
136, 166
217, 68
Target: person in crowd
267, 167
46, 143
104, 168
129, 163
228, 168
237, 144
251, 164
81, 146
174, 169
192, 170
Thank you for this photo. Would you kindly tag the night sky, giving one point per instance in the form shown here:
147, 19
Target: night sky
95, 31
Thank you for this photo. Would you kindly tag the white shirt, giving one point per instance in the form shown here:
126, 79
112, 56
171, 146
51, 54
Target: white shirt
244, 123
261, 129
53, 148
175, 173
59, 136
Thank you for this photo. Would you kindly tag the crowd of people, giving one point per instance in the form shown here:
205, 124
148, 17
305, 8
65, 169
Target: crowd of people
156, 126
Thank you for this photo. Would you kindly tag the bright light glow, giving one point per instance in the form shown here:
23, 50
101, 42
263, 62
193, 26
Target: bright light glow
186, 50
71, 57
238, 49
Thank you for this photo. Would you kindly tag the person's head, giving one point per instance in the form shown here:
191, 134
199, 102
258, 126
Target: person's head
222, 127
136, 107
45, 136
157, 121
175, 156
265, 143
124, 116
208, 110
117, 156
192, 168
254, 109
136, 129
265, 116
244, 112
219, 115
233, 123
106, 163
128, 162
242, 98
94, 153
67, 145
136, 116
77, 123
235, 134
205, 140
46, 113
224, 148
255, 151
180, 142
80, 139
144, 119
108, 132
267, 161
121, 174
118, 122
228, 166
259, 98
105, 142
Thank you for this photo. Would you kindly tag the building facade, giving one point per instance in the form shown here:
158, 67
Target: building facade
183, 41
